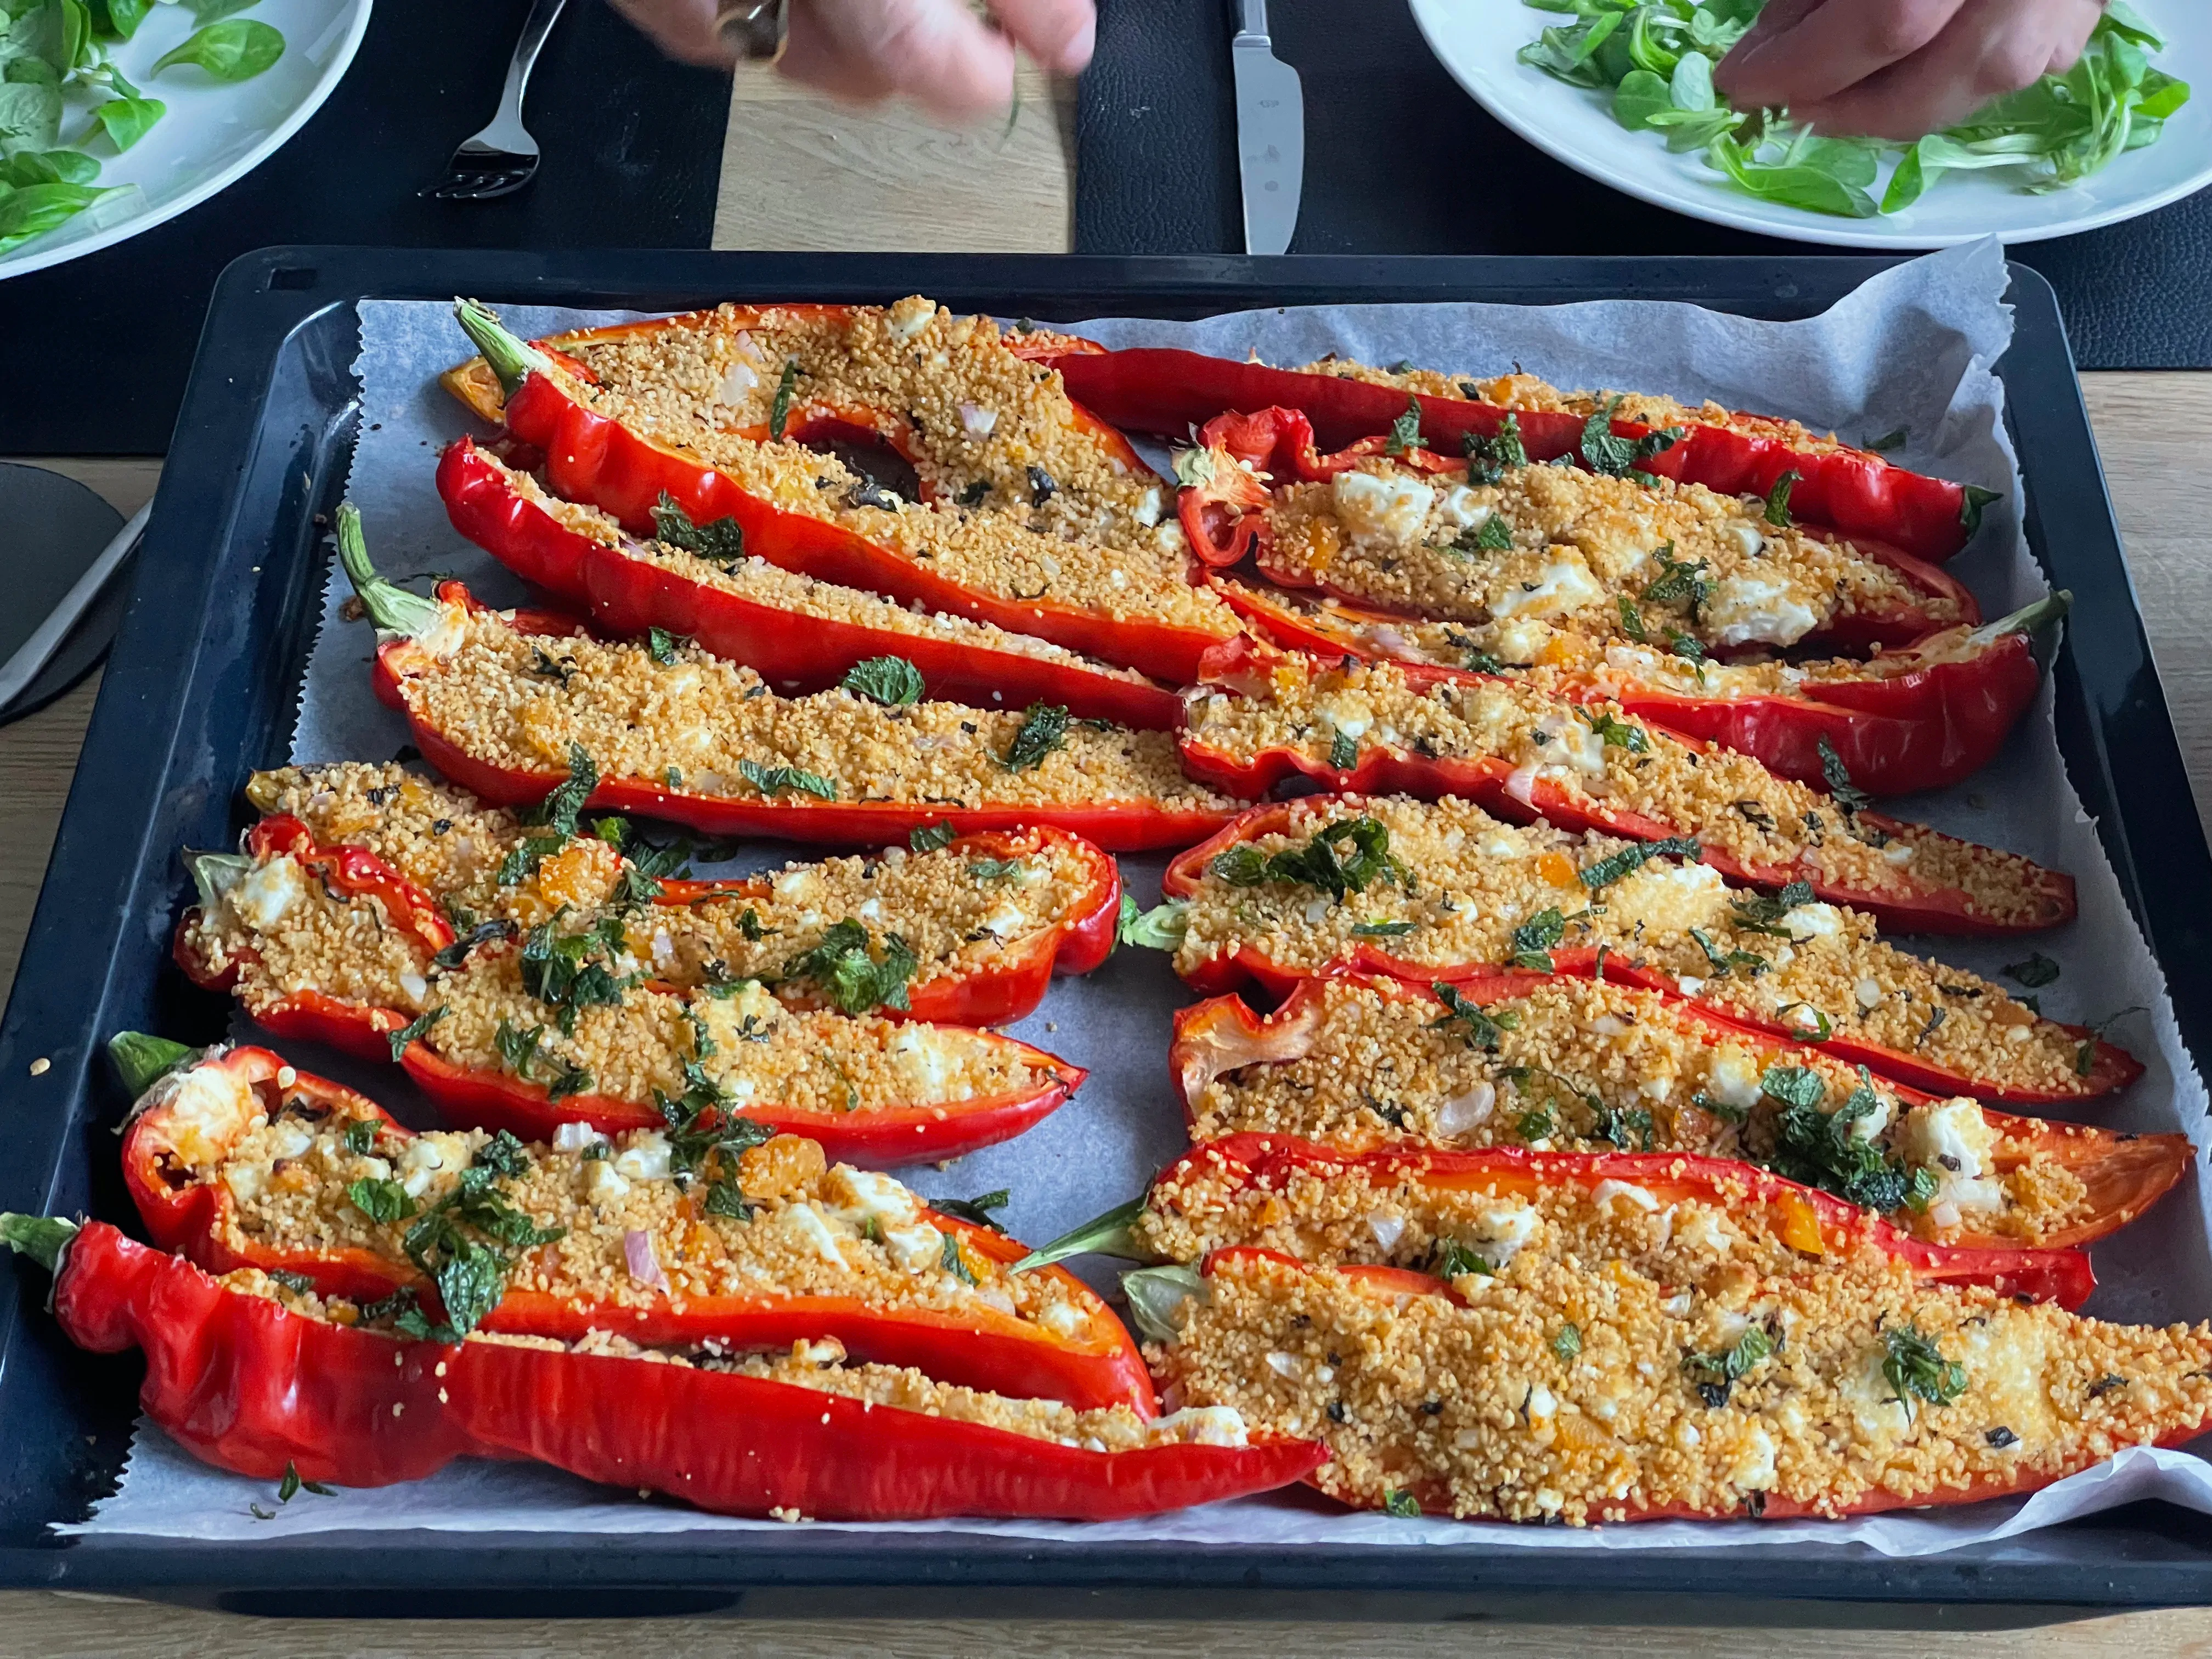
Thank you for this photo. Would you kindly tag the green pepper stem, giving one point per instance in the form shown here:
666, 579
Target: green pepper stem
1108, 1234
1156, 1294
390, 606
2044, 612
143, 1061
41, 1237
510, 358
216, 873
1160, 928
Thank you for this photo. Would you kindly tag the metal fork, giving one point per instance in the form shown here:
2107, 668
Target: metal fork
503, 157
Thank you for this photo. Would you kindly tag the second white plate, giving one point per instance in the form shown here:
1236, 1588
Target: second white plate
1477, 39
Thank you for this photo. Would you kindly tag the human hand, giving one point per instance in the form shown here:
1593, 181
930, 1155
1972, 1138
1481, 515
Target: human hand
1899, 68
938, 52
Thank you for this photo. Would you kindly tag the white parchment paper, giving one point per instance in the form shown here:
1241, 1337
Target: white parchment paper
1912, 347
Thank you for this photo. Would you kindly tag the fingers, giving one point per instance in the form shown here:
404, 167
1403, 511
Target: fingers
1834, 46
1059, 34
1991, 47
683, 29
934, 51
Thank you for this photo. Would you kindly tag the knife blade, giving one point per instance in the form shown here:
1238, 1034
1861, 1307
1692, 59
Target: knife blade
1271, 133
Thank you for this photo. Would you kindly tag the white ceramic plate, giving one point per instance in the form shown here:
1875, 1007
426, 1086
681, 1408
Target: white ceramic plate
214, 133
1476, 41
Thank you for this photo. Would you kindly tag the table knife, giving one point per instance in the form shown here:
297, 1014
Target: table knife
1271, 133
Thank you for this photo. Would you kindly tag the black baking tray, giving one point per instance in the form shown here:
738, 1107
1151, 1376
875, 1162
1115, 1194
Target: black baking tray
202, 690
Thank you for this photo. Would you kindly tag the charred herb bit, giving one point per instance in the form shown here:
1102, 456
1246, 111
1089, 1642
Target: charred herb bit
1042, 489
1473, 656
662, 646
361, 1135
1631, 620
1343, 751
891, 681
1317, 864
1475, 1025
1618, 866
1716, 1374
1916, 1368
298, 1283
1533, 939
483, 934
1778, 499
1972, 505
2000, 1437
1892, 438
1044, 729
2085, 1054
975, 493
1628, 1128
558, 811
1847, 795
1567, 1343
977, 1209
1489, 460
2037, 971
1937, 1015
1455, 1261
1755, 814
1689, 649
779, 409
1602, 448
1403, 1504
563, 669
776, 780
749, 924
719, 541
1406, 430
1759, 913
701, 1126
853, 978
1382, 929
471, 1275
518, 1051
1723, 962
926, 839
867, 492
1612, 731
955, 1263
1678, 581
414, 1029
1492, 535
558, 970
1818, 1149
1823, 1027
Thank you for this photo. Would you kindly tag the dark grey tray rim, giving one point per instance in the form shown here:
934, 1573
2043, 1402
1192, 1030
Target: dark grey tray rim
2119, 732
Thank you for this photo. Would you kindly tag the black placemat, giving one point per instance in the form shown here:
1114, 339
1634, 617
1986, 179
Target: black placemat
1399, 159
633, 152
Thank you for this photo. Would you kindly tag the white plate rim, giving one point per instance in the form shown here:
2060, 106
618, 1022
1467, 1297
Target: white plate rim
1722, 210
29, 259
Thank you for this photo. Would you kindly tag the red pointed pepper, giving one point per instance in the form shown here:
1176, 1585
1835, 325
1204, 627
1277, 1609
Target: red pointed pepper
1279, 444
2125, 1173
1905, 903
791, 647
1856, 493
592, 459
2109, 1067
191, 1119
1811, 1222
1924, 717
249, 1385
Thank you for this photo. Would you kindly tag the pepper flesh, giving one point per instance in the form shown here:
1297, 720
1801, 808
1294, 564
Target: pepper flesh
1814, 1223
628, 590
192, 1118
1295, 684
1485, 1458
251, 1385
1006, 987
1119, 824
602, 461
2123, 1175
1924, 717
2101, 1067
1908, 598
1860, 495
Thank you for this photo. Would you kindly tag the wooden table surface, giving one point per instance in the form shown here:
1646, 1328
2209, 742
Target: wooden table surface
800, 173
